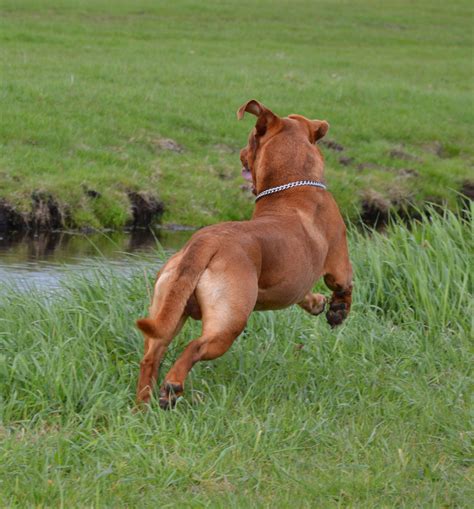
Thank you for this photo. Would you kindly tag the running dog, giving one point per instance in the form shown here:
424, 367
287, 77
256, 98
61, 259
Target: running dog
296, 235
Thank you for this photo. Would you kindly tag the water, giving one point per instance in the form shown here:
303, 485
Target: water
45, 259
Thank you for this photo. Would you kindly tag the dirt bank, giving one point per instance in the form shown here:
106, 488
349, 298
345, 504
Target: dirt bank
47, 213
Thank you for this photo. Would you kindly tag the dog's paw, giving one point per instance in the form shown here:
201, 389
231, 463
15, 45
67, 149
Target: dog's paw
169, 394
337, 313
318, 303
314, 303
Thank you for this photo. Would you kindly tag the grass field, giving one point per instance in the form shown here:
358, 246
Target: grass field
373, 414
89, 89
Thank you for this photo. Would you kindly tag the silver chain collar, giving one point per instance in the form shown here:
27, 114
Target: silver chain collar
284, 187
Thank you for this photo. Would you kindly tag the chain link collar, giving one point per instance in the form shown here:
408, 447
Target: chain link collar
284, 187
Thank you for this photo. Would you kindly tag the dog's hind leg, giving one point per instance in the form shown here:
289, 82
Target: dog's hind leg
338, 278
173, 291
155, 345
226, 305
154, 350
207, 347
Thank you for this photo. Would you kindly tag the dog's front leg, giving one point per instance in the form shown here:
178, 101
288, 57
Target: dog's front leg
341, 300
338, 278
339, 306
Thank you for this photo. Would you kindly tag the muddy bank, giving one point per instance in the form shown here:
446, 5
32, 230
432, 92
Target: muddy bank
466, 197
377, 210
48, 214
146, 210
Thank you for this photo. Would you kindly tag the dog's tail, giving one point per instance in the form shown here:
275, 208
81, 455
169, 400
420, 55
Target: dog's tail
177, 289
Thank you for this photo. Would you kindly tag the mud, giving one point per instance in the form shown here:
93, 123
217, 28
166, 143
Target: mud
146, 209
443, 151
377, 210
226, 175
371, 166
435, 148
91, 193
402, 172
246, 188
10, 219
374, 210
466, 197
45, 214
467, 189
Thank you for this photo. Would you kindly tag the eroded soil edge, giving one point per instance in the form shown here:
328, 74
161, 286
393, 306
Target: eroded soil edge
47, 213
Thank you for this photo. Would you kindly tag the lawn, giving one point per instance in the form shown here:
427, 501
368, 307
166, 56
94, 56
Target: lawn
90, 92
373, 414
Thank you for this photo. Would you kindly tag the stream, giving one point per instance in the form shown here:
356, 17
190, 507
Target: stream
43, 260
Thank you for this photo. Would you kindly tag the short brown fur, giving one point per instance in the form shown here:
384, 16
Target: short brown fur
228, 270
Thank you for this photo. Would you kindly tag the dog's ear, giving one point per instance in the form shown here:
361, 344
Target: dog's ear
319, 129
265, 117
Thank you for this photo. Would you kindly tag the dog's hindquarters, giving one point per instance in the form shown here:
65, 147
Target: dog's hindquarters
226, 292
173, 288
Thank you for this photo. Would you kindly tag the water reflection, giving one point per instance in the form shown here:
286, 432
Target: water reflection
44, 259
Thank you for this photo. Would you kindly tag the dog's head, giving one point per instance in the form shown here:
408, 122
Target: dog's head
286, 136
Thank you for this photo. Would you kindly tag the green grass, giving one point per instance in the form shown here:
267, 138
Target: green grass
88, 88
373, 414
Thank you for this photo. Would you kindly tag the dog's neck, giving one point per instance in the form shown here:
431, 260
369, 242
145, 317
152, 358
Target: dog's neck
290, 185
275, 167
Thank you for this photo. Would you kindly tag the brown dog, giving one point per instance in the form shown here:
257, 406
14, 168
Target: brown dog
226, 271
